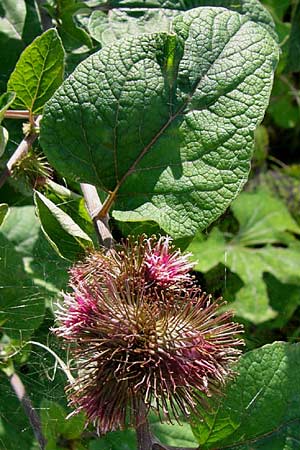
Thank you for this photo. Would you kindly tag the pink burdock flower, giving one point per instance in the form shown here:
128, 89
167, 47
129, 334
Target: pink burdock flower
165, 265
134, 343
77, 311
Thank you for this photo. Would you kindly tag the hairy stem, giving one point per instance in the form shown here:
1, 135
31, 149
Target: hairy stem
94, 206
19, 389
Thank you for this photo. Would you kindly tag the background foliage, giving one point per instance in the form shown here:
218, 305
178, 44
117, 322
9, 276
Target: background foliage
250, 255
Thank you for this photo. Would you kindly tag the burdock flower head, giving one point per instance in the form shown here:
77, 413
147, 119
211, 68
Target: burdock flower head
141, 331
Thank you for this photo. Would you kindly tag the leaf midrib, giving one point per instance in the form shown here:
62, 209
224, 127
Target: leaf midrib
41, 73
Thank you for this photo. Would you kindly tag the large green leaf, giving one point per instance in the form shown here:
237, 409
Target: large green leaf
263, 220
260, 408
19, 25
21, 303
38, 72
131, 17
166, 121
30, 274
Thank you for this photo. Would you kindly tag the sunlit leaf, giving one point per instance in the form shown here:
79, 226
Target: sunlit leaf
165, 121
38, 72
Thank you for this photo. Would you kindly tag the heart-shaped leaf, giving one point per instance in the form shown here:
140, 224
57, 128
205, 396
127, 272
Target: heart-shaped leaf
164, 122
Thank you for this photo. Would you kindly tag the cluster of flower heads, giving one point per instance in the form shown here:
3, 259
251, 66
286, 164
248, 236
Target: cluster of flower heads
141, 330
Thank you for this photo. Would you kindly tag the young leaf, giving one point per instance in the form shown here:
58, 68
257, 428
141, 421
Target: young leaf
263, 221
65, 236
38, 73
164, 122
73, 205
260, 408
137, 17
